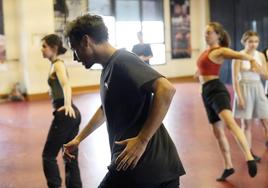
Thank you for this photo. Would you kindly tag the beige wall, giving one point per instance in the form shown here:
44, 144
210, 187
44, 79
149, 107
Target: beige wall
10, 71
27, 21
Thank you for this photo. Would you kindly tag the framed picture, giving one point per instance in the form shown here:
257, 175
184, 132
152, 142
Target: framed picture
180, 28
2, 35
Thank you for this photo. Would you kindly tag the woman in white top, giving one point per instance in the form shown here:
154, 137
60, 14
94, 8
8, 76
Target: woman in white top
250, 100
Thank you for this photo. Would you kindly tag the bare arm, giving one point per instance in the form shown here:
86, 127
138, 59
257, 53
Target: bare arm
228, 53
266, 52
264, 69
220, 54
135, 147
196, 74
66, 87
148, 52
235, 76
163, 94
96, 121
146, 58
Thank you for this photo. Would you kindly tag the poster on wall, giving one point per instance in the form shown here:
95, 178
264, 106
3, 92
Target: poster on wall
180, 29
67, 10
2, 36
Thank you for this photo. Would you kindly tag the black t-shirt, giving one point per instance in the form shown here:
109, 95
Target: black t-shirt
126, 96
142, 50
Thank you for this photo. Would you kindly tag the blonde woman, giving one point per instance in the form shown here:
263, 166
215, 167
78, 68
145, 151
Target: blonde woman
250, 100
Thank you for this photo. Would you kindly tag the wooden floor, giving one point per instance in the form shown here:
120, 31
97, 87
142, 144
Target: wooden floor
24, 126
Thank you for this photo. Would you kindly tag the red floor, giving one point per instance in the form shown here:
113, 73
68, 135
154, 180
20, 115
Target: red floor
24, 126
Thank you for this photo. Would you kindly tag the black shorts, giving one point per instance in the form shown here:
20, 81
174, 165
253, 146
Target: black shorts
216, 98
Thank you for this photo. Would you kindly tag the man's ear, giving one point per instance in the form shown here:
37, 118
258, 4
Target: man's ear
87, 41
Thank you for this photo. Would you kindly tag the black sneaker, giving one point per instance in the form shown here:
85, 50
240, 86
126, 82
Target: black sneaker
226, 173
252, 168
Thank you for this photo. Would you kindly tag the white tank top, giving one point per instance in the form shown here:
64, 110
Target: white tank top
246, 73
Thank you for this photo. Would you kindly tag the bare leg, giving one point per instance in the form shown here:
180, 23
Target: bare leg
247, 130
223, 143
218, 130
265, 126
227, 118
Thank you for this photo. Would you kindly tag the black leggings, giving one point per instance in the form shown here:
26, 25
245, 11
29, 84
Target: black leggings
62, 130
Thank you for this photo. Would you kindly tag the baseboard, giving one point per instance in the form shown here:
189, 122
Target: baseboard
85, 89
38, 96
95, 88
183, 79
3, 96
75, 91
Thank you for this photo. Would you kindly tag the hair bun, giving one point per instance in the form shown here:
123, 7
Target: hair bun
62, 50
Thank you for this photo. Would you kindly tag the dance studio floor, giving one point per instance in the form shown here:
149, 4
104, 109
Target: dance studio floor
24, 126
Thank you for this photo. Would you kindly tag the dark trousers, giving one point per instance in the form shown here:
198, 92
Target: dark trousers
114, 180
62, 130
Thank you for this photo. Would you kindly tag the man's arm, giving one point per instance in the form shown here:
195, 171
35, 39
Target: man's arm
148, 54
163, 94
145, 58
96, 121
135, 147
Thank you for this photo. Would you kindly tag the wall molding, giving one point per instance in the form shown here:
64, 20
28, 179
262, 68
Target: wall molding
182, 79
95, 88
75, 91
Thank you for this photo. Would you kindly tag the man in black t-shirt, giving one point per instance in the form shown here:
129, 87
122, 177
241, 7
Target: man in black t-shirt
135, 99
142, 50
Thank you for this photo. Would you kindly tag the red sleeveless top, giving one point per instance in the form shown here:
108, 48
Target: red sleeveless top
206, 66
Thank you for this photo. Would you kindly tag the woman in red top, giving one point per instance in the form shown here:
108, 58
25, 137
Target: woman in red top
216, 97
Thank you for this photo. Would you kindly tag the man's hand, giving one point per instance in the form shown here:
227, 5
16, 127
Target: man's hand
69, 148
132, 153
143, 58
